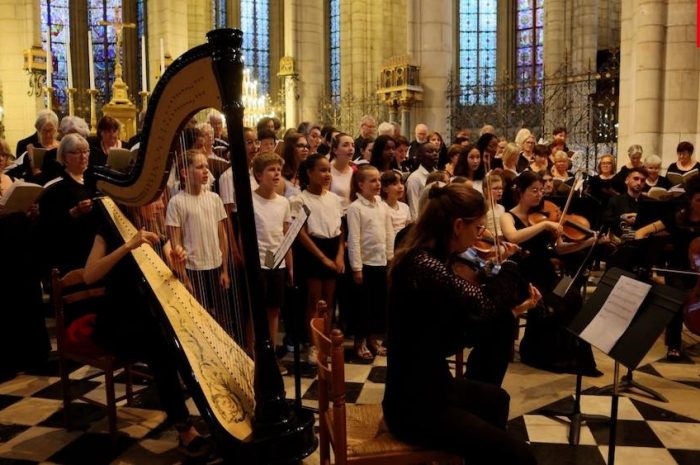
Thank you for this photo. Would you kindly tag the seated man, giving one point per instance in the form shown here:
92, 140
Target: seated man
621, 213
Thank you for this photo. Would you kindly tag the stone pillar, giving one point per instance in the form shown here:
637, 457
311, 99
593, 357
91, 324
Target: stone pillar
168, 21
406, 128
311, 55
681, 81
199, 21
290, 88
432, 50
19, 30
643, 38
584, 36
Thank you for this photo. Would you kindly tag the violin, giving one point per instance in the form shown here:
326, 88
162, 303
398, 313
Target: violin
576, 228
691, 310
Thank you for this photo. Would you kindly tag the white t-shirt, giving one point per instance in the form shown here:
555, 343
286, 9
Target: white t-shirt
400, 216
340, 185
326, 212
226, 191
198, 216
370, 233
414, 186
270, 216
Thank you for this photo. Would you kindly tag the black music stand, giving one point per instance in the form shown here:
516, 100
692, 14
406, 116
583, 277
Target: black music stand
655, 312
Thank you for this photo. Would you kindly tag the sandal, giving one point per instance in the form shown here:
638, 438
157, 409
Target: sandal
673, 355
363, 354
377, 350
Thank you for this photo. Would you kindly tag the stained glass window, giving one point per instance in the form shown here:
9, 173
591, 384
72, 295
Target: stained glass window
529, 55
477, 51
334, 49
218, 12
55, 18
104, 40
255, 24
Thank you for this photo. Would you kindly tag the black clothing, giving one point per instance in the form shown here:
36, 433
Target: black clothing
126, 326
547, 344
617, 206
433, 313
673, 168
67, 240
24, 341
661, 182
523, 163
22, 145
602, 189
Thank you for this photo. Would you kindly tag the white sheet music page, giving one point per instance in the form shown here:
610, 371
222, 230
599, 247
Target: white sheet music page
616, 314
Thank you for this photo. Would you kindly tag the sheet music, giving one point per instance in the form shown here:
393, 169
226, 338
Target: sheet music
273, 260
616, 314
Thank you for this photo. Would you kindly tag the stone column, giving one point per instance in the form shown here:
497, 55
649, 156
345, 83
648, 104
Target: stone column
584, 36
168, 21
643, 38
19, 30
406, 128
290, 88
311, 56
432, 49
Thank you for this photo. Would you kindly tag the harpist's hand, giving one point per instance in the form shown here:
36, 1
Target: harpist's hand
142, 237
81, 208
224, 279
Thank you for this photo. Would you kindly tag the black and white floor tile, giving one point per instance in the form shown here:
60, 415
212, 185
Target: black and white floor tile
31, 420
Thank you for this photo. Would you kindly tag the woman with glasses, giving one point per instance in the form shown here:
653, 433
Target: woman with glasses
295, 149
434, 310
65, 208
546, 344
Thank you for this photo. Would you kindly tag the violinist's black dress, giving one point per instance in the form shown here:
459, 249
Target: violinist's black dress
546, 343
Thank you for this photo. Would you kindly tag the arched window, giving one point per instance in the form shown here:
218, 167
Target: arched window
477, 51
56, 19
104, 39
334, 50
255, 23
529, 59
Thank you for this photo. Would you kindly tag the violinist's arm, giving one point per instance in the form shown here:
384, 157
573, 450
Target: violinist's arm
653, 228
517, 236
563, 248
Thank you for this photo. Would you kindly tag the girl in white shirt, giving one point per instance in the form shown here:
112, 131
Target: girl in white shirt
392, 193
342, 151
370, 247
322, 239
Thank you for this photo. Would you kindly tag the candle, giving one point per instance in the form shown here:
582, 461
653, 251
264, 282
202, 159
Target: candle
162, 58
144, 85
69, 65
91, 64
49, 60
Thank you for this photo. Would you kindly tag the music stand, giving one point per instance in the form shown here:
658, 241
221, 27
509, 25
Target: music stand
654, 313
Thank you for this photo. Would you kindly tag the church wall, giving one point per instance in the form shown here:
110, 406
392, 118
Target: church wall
198, 21
432, 47
168, 21
19, 30
659, 76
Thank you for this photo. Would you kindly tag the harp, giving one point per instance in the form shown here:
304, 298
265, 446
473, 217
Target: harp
251, 421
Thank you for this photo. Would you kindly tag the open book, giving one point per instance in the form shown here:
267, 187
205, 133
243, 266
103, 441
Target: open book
682, 179
120, 159
37, 155
659, 193
19, 197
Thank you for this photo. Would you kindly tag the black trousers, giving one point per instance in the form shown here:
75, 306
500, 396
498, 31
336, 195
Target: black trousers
369, 314
472, 425
488, 360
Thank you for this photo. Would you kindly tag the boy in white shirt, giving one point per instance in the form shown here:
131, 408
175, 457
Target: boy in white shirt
272, 218
196, 222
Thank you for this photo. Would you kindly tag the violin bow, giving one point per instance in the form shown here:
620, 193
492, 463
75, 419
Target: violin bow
492, 205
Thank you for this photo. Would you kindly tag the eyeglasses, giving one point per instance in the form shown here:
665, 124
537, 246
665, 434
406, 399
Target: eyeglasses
480, 228
79, 152
303, 146
536, 191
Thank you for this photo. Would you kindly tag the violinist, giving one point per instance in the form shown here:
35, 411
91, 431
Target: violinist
493, 196
683, 227
546, 343
433, 312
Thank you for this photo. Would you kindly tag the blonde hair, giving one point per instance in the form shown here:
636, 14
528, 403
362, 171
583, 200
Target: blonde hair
521, 136
510, 154
560, 155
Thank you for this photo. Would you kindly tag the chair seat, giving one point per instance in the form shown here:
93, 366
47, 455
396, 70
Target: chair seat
367, 434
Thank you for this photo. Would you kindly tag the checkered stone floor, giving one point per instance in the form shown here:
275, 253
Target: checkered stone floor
31, 421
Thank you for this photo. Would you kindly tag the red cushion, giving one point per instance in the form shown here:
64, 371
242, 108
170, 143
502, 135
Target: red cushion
78, 337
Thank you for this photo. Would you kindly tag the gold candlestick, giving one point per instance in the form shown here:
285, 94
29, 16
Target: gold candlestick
144, 100
71, 101
49, 97
93, 111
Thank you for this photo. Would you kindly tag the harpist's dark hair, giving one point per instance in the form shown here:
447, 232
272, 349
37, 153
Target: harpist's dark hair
433, 229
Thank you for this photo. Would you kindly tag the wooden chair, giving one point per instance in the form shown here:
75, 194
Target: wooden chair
68, 290
356, 433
